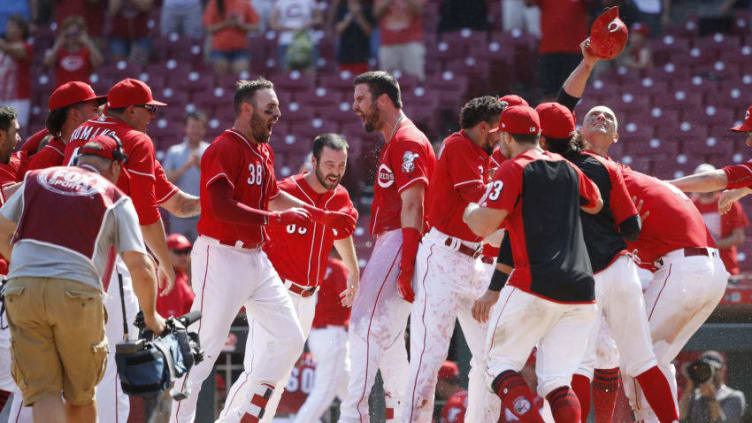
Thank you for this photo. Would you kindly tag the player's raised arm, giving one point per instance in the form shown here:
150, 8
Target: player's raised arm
714, 180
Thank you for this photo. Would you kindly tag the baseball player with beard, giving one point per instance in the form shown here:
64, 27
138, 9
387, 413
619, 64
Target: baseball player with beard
450, 271
229, 268
379, 315
689, 278
299, 253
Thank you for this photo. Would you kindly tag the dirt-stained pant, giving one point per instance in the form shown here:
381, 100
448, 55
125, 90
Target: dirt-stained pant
377, 332
446, 285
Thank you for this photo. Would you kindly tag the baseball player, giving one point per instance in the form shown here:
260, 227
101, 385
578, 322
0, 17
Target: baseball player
674, 242
299, 252
328, 343
450, 271
229, 268
448, 389
379, 315
552, 279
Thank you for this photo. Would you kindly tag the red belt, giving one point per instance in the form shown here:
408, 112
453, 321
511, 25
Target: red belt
474, 253
303, 291
695, 251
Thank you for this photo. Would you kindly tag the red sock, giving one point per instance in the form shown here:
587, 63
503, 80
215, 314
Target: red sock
658, 393
581, 387
605, 389
516, 396
564, 405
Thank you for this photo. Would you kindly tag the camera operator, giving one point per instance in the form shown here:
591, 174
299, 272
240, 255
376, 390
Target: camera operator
61, 230
706, 398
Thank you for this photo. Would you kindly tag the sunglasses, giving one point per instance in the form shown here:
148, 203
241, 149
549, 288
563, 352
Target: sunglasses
149, 108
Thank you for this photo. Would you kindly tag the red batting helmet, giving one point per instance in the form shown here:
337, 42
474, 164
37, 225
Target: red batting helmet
608, 35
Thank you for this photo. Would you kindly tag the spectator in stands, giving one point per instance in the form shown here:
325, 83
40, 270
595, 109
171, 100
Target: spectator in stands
10, 8
401, 32
74, 54
449, 390
638, 54
353, 26
463, 14
295, 20
93, 12
183, 168
712, 401
563, 27
129, 35
180, 299
727, 229
653, 13
518, 14
229, 22
182, 17
16, 55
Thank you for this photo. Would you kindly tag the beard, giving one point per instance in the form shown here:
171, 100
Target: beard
327, 181
372, 118
260, 129
489, 145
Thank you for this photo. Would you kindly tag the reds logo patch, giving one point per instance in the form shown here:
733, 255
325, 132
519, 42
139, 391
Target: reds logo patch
408, 161
385, 176
521, 406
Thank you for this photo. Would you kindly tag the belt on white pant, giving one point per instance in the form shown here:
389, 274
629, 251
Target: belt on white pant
685, 252
303, 291
471, 249
233, 243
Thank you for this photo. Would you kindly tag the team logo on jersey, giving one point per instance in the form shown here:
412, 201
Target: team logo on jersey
385, 177
73, 184
408, 161
521, 406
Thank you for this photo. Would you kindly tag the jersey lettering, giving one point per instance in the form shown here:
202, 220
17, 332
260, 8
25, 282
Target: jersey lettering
256, 174
494, 190
291, 229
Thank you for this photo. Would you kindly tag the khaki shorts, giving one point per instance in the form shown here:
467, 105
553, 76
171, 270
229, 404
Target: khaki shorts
58, 340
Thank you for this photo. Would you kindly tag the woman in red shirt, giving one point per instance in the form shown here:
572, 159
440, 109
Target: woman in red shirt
15, 68
74, 55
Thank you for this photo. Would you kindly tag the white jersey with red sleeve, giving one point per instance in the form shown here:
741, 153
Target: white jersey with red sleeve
300, 253
249, 169
405, 160
141, 164
459, 178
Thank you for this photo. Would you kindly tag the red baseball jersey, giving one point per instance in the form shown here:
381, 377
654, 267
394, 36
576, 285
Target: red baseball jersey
721, 226
739, 176
50, 155
329, 308
495, 161
550, 257
459, 178
141, 162
673, 223
179, 301
406, 159
455, 408
31, 145
249, 169
299, 253
298, 386
8, 177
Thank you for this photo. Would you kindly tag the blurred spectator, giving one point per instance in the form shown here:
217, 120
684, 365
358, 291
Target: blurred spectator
16, 55
228, 22
712, 401
559, 48
448, 389
182, 17
10, 8
638, 54
463, 14
129, 36
727, 229
295, 20
182, 166
353, 26
179, 300
653, 13
401, 32
93, 12
74, 54
517, 14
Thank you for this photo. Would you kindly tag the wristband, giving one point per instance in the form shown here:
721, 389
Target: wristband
498, 280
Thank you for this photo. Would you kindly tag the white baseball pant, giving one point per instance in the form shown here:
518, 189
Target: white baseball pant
521, 320
681, 296
224, 279
618, 293
447, 283
329, 348
377, 333
259, 338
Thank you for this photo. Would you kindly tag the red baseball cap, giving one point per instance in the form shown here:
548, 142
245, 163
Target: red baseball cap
104, 146
608, 34
130, 92
449, 370
520, 120
178, 242
73, 92
747, 124
556, 120
513, 100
